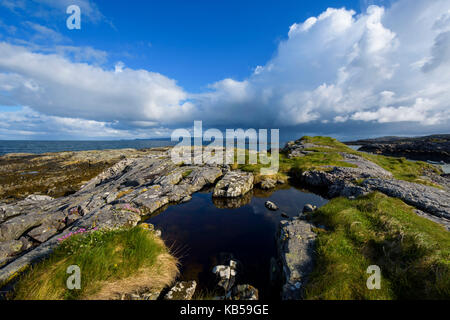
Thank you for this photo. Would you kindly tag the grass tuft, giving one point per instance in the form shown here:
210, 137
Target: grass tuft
105, 259
412, 252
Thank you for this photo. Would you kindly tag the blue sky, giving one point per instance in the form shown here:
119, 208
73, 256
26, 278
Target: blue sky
195, 42
141, 69
201, 42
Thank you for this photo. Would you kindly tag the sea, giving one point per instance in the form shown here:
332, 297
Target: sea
39, 146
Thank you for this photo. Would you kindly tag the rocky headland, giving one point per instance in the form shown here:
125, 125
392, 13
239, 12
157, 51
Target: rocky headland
125, 186
433, 148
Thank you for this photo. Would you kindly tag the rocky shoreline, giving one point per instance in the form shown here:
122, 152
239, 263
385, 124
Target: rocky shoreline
143, 182
296, 241
433, 148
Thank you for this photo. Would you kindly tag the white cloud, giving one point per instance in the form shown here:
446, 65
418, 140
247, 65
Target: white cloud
419, 112
44, 33
53, 85
385, 65
34, 125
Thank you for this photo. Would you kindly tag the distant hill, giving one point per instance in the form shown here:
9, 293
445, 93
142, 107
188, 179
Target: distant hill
434, 147
392, 139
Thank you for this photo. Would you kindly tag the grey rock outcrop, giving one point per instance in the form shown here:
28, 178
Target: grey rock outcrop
296, 243
298, 148
120, 196
182, 290
434, 147
343, 181
429, 199
8, 249
226, 274
234, 184
365, 177
268, 183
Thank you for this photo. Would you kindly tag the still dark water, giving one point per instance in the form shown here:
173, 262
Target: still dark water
204, 230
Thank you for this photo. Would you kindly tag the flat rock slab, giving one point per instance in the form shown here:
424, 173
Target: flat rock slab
429, 199
120, 196
234, 184
9, 248
365, 168
296, 242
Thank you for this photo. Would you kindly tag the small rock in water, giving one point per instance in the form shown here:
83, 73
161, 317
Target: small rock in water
183, 290
309, 208
271, 206
284, 215
227, 274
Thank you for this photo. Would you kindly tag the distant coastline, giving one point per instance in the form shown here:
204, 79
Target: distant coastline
40, 146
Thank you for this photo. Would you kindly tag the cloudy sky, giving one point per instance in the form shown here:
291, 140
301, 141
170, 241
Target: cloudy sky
349, 69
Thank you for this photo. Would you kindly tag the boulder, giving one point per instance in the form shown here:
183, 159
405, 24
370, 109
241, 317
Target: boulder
268, 183
234, 184
226, 274
182, 290
271, 206
309, 208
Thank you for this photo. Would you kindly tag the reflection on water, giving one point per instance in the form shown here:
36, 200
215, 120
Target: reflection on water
203, 230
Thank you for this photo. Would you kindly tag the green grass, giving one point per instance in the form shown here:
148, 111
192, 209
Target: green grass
403, 169
323, 161
326, 142
327, 155
103, 257
412, 252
